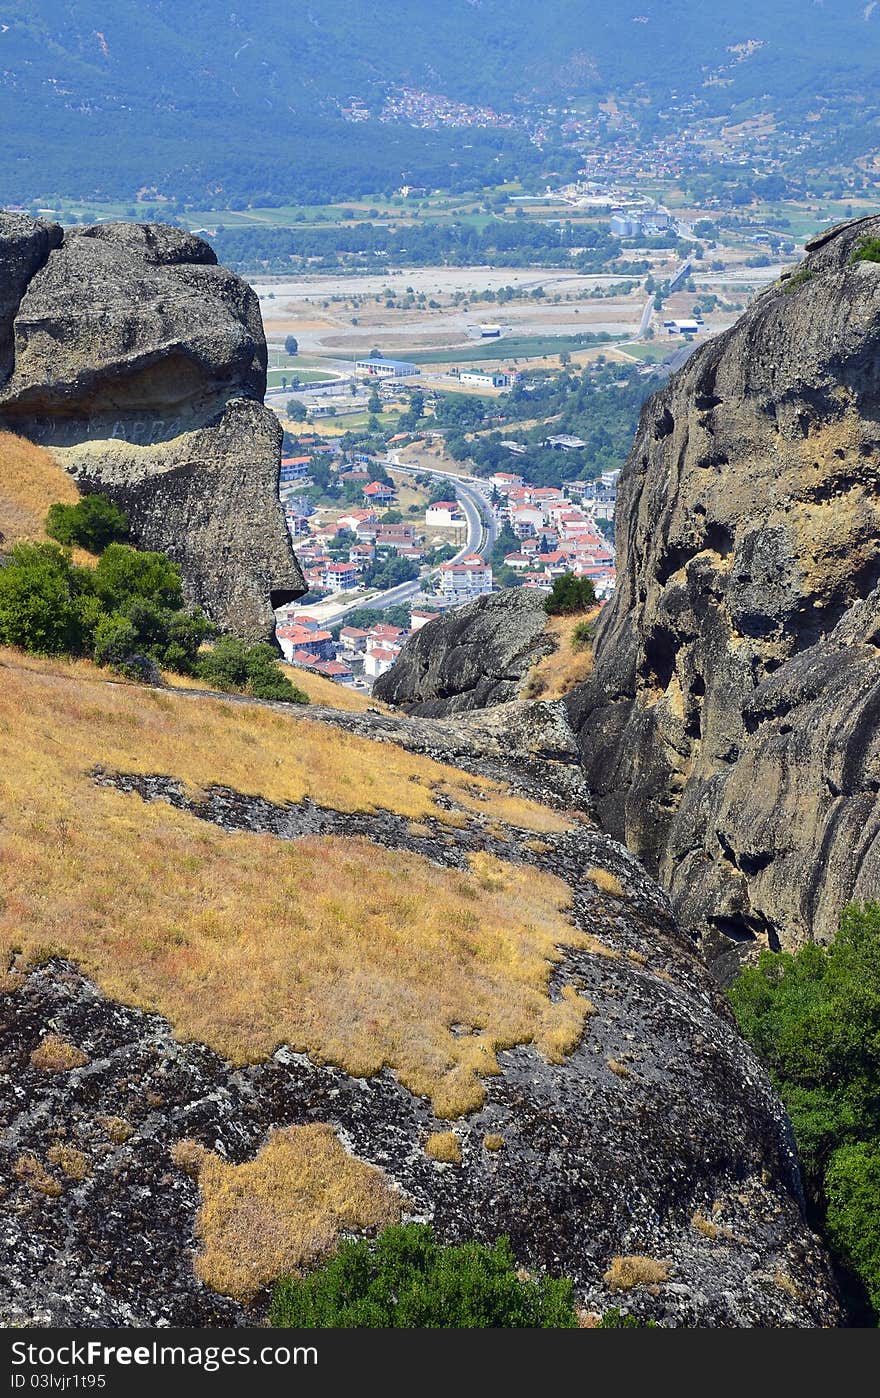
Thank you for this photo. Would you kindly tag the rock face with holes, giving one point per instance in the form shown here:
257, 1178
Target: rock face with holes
473, 657
141, 364
730, 728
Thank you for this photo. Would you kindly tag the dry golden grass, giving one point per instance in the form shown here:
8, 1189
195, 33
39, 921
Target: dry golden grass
444, 1145
31, 1172
57, 1055
493, 1141
30, 481
327, 692
618, 1068
72, 1162
283, 756
556, 674
117, 1128
608, 883
244, 942
319, 689
285, 1209
637, 956
188, 1155
790, 1287
626, 1272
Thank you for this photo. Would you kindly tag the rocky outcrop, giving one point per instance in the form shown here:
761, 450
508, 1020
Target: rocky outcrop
730, 728
473, 657
141, 364
659, 1136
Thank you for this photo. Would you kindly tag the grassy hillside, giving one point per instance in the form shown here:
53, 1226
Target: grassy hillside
245, 941
31, 481
554, 675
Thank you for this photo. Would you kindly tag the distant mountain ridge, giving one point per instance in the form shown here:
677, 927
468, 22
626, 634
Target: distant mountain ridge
203, 97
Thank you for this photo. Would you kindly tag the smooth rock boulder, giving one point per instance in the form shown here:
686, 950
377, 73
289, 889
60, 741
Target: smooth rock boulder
471, 658
142, 365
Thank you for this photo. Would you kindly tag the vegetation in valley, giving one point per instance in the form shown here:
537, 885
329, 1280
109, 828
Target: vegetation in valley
814, 1017
405, 1279
600, 404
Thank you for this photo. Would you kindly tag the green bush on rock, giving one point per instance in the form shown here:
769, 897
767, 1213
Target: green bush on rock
570, 595
406, 1280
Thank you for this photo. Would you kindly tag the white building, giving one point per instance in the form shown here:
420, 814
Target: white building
505, 481
476, 379
420, 616
386, 368
342, 577
465, 580
378, 659
445, 513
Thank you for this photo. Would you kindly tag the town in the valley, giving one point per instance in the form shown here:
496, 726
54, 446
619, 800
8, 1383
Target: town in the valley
412, 541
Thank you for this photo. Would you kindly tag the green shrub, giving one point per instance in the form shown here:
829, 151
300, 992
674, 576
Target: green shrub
124, 573
570, 595
115, 640
405, 1280
852, 1187
127, 613
266, 681
223, 666
46, 602
232, 665
867, 251
93, 523
582, 636
814, 1017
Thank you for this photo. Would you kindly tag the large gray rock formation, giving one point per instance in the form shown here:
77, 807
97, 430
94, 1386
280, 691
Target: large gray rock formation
141, 364
470, 658
730, 728
658, 1136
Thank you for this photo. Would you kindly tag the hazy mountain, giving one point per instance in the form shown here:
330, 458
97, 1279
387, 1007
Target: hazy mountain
114, 94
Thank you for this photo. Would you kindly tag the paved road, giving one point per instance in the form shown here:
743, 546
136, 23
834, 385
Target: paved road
646, 318
482, 530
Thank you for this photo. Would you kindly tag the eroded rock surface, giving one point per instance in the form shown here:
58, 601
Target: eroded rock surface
141, 364
730, 728
658, 1136
473, 657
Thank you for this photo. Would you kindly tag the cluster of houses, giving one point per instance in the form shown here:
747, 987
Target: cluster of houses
365, 534
556, 535
356, 656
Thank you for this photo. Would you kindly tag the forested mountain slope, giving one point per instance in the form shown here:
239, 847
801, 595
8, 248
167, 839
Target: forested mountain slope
204, 97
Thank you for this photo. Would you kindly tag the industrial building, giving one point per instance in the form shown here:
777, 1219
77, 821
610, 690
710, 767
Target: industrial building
385, 368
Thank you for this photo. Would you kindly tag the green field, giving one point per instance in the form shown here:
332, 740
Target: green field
305, 376
651, 351
515, 347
